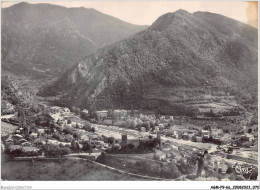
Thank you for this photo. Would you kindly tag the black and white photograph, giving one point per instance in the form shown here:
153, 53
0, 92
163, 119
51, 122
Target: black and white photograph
129, 91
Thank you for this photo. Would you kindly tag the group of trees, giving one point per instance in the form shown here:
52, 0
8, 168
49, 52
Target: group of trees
55, 150
86, 115
146, 122
148, 145
75, 110
9, 91
19, 152
63, 138
87, 146
88, 127
233, 112
186, 167
126, 119
14, 94
44, 120
144, 146
6, 108
254, 119
132, 123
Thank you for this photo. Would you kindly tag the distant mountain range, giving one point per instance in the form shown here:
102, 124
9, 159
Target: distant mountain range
42, 40
180, 56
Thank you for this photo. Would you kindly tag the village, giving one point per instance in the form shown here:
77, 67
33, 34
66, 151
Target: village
108, 136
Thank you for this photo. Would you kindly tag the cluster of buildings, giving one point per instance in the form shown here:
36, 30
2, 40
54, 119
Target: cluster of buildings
57, 109
58, 117
168, 153
199, 135
18, 142
213, 135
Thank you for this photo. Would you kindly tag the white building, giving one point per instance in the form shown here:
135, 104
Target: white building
66, 110
248, 137
85, 111
159, 155
35, 135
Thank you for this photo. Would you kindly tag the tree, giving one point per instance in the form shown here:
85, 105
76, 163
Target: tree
157, 121
64, 151
21, 112
16, 152
78, 111
207, 127
84, 115
87, 126
132, 113
211, 113
133, 124
111, 114
186, 168
68, 138
55, 150
249, 130
75, 146
111, 140
68, 130
97, 116
58, 137
75, 135
93, 129
194, 112
87, 147
73, 109
226, 131
147, 126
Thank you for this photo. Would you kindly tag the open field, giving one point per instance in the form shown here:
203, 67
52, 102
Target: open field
205, 107
52, 170
75, 119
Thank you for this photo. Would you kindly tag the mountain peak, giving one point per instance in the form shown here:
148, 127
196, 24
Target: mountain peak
21, 4
167, 19
81, 30
160, 67
181, 12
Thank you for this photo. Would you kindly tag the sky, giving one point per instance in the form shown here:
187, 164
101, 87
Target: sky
146, 12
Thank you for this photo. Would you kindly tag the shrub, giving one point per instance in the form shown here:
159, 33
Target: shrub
111, 140
240, 178
55, 150
185, 168
147, 125
64, 151
87, 147
75, 146
230, 170
87, 126
68, 130
68, 138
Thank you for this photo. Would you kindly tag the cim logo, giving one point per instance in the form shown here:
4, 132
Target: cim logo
243, 170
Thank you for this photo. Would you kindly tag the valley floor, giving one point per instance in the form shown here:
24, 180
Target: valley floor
53, 170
